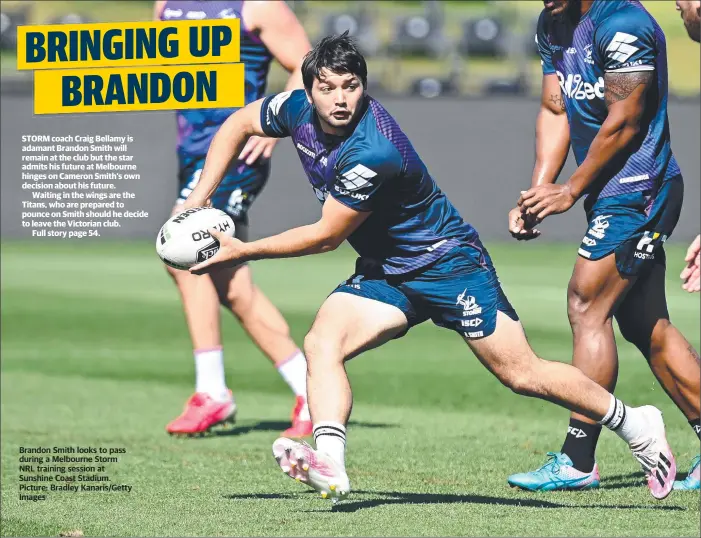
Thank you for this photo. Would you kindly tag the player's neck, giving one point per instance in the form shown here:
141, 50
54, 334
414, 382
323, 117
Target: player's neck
585, 6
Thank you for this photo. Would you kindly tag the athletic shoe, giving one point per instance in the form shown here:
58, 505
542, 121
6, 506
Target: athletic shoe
557, 474
654, 455
693, 479
300, 428
316, 469
202, 413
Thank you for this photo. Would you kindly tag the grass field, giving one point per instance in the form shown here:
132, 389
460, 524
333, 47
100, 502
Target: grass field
95, 353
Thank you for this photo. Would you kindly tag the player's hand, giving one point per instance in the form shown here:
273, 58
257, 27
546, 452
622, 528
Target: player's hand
257, 148
231, 253
521, 226
548, 199
189, 203
691, 275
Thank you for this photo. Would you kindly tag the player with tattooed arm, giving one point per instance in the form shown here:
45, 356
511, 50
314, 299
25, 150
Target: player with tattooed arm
605, 94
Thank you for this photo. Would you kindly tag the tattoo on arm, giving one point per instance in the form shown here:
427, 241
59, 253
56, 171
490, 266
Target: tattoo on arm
693, 353
618, 86
557, 100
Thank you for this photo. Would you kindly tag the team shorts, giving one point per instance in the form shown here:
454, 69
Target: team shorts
237, 191
634, 226
460, 291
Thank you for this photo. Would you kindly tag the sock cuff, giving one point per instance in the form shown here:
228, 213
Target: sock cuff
331, 429
696, 426
290, 359
208, 350
615, 416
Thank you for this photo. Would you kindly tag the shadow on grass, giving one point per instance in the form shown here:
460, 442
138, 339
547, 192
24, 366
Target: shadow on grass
279, 426
395, 497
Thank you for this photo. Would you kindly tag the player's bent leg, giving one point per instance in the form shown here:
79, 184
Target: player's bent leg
507, 354
345, 326
644, 321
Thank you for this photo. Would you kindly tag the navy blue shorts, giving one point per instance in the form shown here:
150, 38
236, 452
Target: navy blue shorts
237, 191
460, 291
633, 226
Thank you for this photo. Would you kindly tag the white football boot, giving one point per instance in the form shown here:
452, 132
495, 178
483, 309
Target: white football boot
317, 469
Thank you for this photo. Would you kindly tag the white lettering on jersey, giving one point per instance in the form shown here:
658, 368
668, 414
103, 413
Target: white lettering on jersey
633, 179
168, 13
619, 49
195, 15
575, 88
357, 178
305, 150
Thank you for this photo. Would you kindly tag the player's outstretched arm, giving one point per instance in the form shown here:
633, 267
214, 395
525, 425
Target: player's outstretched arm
337, 222
226, 144
552, 144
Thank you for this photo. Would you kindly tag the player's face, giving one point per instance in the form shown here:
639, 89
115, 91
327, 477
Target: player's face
691, 15
337, 99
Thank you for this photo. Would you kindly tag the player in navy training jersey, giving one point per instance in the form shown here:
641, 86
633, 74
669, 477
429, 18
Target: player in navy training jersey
418, 260
605, 94
268, 30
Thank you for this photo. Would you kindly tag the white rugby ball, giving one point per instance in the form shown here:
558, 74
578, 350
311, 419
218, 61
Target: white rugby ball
185, 241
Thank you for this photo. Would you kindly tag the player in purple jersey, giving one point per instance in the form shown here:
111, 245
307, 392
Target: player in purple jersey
268, 30
419, 260
605, 94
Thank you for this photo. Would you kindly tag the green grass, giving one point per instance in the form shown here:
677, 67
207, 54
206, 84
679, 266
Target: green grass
95, 353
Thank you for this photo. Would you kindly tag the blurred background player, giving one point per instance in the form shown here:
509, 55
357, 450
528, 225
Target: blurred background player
691, 275
268, 30
605, 91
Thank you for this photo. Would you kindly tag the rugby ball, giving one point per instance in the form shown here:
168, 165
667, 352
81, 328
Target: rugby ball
185, 241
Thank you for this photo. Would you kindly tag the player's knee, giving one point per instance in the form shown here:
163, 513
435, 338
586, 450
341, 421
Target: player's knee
321, 350
658, 335
583, 312
238, 296
521, 377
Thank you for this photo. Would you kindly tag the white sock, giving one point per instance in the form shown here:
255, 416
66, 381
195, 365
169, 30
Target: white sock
625, 421
209, 369
294, 372
330, 438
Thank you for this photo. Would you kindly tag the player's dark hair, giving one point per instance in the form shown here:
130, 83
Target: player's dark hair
336, 53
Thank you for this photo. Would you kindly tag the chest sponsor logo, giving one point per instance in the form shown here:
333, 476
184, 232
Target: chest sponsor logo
574, 87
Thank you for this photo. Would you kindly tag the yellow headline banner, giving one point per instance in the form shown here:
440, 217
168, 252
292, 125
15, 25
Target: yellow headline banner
61, 46
135, 89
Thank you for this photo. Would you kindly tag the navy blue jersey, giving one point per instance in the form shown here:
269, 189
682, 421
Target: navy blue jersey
197, 127
375, 168
613, 36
